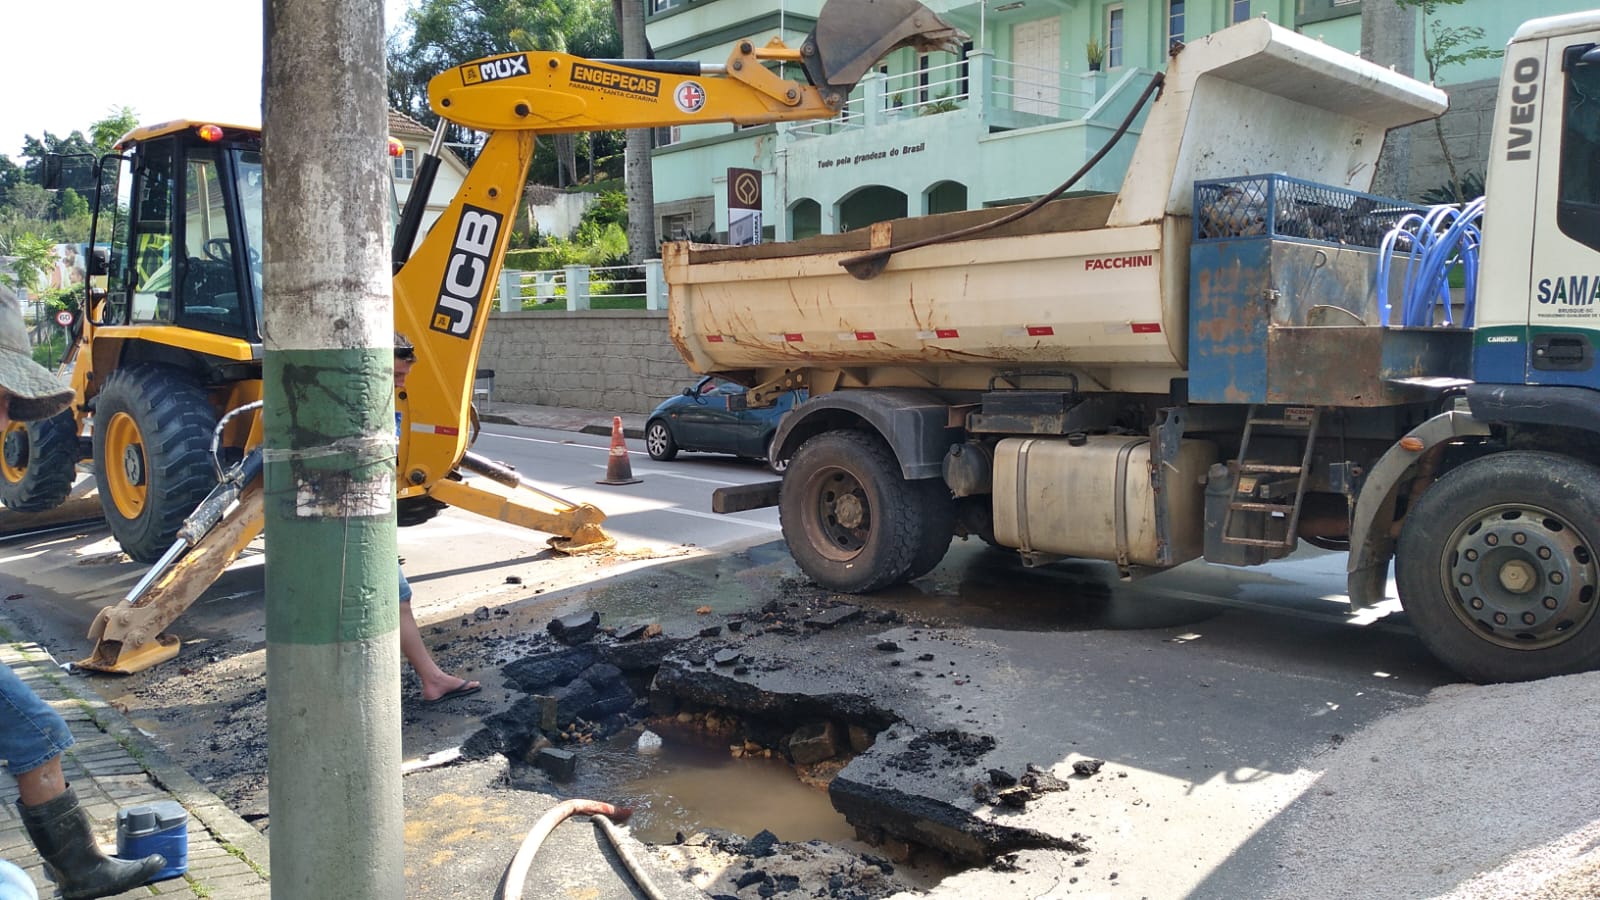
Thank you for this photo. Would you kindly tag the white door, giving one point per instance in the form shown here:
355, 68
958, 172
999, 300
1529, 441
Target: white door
1036, 67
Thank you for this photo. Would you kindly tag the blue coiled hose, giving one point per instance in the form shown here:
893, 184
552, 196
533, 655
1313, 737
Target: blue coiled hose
1432, 244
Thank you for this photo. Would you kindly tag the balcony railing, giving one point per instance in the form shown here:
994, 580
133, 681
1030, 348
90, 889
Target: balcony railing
1006, 93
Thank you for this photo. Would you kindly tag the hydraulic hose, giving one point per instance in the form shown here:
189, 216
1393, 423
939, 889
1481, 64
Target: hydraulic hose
517, 874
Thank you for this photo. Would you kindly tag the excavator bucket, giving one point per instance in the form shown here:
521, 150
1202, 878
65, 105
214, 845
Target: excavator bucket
115, 658
128, 635
852, 35
576, 526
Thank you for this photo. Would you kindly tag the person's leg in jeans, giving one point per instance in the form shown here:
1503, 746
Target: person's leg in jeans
32, 739
437, 684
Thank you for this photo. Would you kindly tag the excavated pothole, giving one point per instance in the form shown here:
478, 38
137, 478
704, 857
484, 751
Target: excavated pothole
740, 728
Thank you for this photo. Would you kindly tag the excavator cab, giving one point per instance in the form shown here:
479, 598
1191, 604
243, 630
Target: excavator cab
184, 237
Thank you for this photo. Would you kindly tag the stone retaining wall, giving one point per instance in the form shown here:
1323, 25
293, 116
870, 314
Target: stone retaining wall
614, 361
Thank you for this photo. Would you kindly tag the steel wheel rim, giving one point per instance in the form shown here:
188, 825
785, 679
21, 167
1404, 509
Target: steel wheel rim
1520, 576
839, 514
14, 452
656, 440
126, 467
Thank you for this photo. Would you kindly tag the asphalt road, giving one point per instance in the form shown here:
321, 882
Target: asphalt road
1214, 695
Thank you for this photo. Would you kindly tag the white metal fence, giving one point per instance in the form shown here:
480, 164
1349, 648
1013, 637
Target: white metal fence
575, 287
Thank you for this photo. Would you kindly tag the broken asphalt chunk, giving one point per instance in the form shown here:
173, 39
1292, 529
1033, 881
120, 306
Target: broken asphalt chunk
576, 628
561, 765
837, 615
1087, 767
760, 845
726, 657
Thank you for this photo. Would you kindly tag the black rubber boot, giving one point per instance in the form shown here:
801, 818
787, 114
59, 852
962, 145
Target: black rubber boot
60, 830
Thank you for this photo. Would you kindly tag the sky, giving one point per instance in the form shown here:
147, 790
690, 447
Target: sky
64, 67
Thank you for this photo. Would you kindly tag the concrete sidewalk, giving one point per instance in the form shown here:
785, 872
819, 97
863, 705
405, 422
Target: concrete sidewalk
561, 418
113, 766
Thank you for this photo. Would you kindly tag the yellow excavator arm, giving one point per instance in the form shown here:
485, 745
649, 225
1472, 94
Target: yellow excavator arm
442, 289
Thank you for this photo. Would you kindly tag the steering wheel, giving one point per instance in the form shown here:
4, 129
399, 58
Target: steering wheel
218, 250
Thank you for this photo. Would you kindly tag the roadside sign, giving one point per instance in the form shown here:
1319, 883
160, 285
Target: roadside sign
64, 318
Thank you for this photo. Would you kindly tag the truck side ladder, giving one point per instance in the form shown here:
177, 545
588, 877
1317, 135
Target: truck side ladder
1256, 492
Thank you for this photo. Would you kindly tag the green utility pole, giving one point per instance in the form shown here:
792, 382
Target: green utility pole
333, 653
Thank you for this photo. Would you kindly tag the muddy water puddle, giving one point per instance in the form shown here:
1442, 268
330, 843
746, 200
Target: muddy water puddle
692, 783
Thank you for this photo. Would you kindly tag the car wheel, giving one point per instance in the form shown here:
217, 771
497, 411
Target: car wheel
152, 455
1498, 571
38, 463
658, 440
850, 519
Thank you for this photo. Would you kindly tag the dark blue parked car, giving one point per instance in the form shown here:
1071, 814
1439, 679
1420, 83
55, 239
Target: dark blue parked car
699, 419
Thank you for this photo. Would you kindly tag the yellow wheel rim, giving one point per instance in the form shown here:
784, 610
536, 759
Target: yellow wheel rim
15, 431
127, 474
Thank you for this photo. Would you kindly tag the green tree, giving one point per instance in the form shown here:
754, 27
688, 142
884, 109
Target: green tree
118, 122
1442, 47
440, 34
34, 256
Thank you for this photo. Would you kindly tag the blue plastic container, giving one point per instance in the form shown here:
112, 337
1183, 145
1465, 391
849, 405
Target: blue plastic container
161, 827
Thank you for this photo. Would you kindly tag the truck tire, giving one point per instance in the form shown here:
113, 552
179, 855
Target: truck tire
659, 442
1498, 571
937, 514
38, 463
152, 455
850, 520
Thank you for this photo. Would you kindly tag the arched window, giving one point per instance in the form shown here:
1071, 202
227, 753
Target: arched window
873, 203
805, 219
946, 196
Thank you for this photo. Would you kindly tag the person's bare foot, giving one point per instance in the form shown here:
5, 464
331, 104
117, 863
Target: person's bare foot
438, 693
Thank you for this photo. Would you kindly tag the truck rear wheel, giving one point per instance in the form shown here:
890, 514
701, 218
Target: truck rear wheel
38, 463
1497, 567
850, 520
152, 455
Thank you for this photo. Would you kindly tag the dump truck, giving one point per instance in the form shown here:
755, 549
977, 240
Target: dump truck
167, 367
1241, 350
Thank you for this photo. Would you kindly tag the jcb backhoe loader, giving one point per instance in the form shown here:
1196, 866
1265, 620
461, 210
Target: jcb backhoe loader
169, 358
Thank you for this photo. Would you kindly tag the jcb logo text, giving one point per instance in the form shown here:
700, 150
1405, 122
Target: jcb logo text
466, 275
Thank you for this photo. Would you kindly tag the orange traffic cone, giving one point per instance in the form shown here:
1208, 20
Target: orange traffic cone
618, 470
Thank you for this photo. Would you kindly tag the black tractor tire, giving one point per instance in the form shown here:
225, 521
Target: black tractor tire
416, 510
659, 442
938, 519
152, 455
1498, 567
40, 463
850, 519
411, 511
